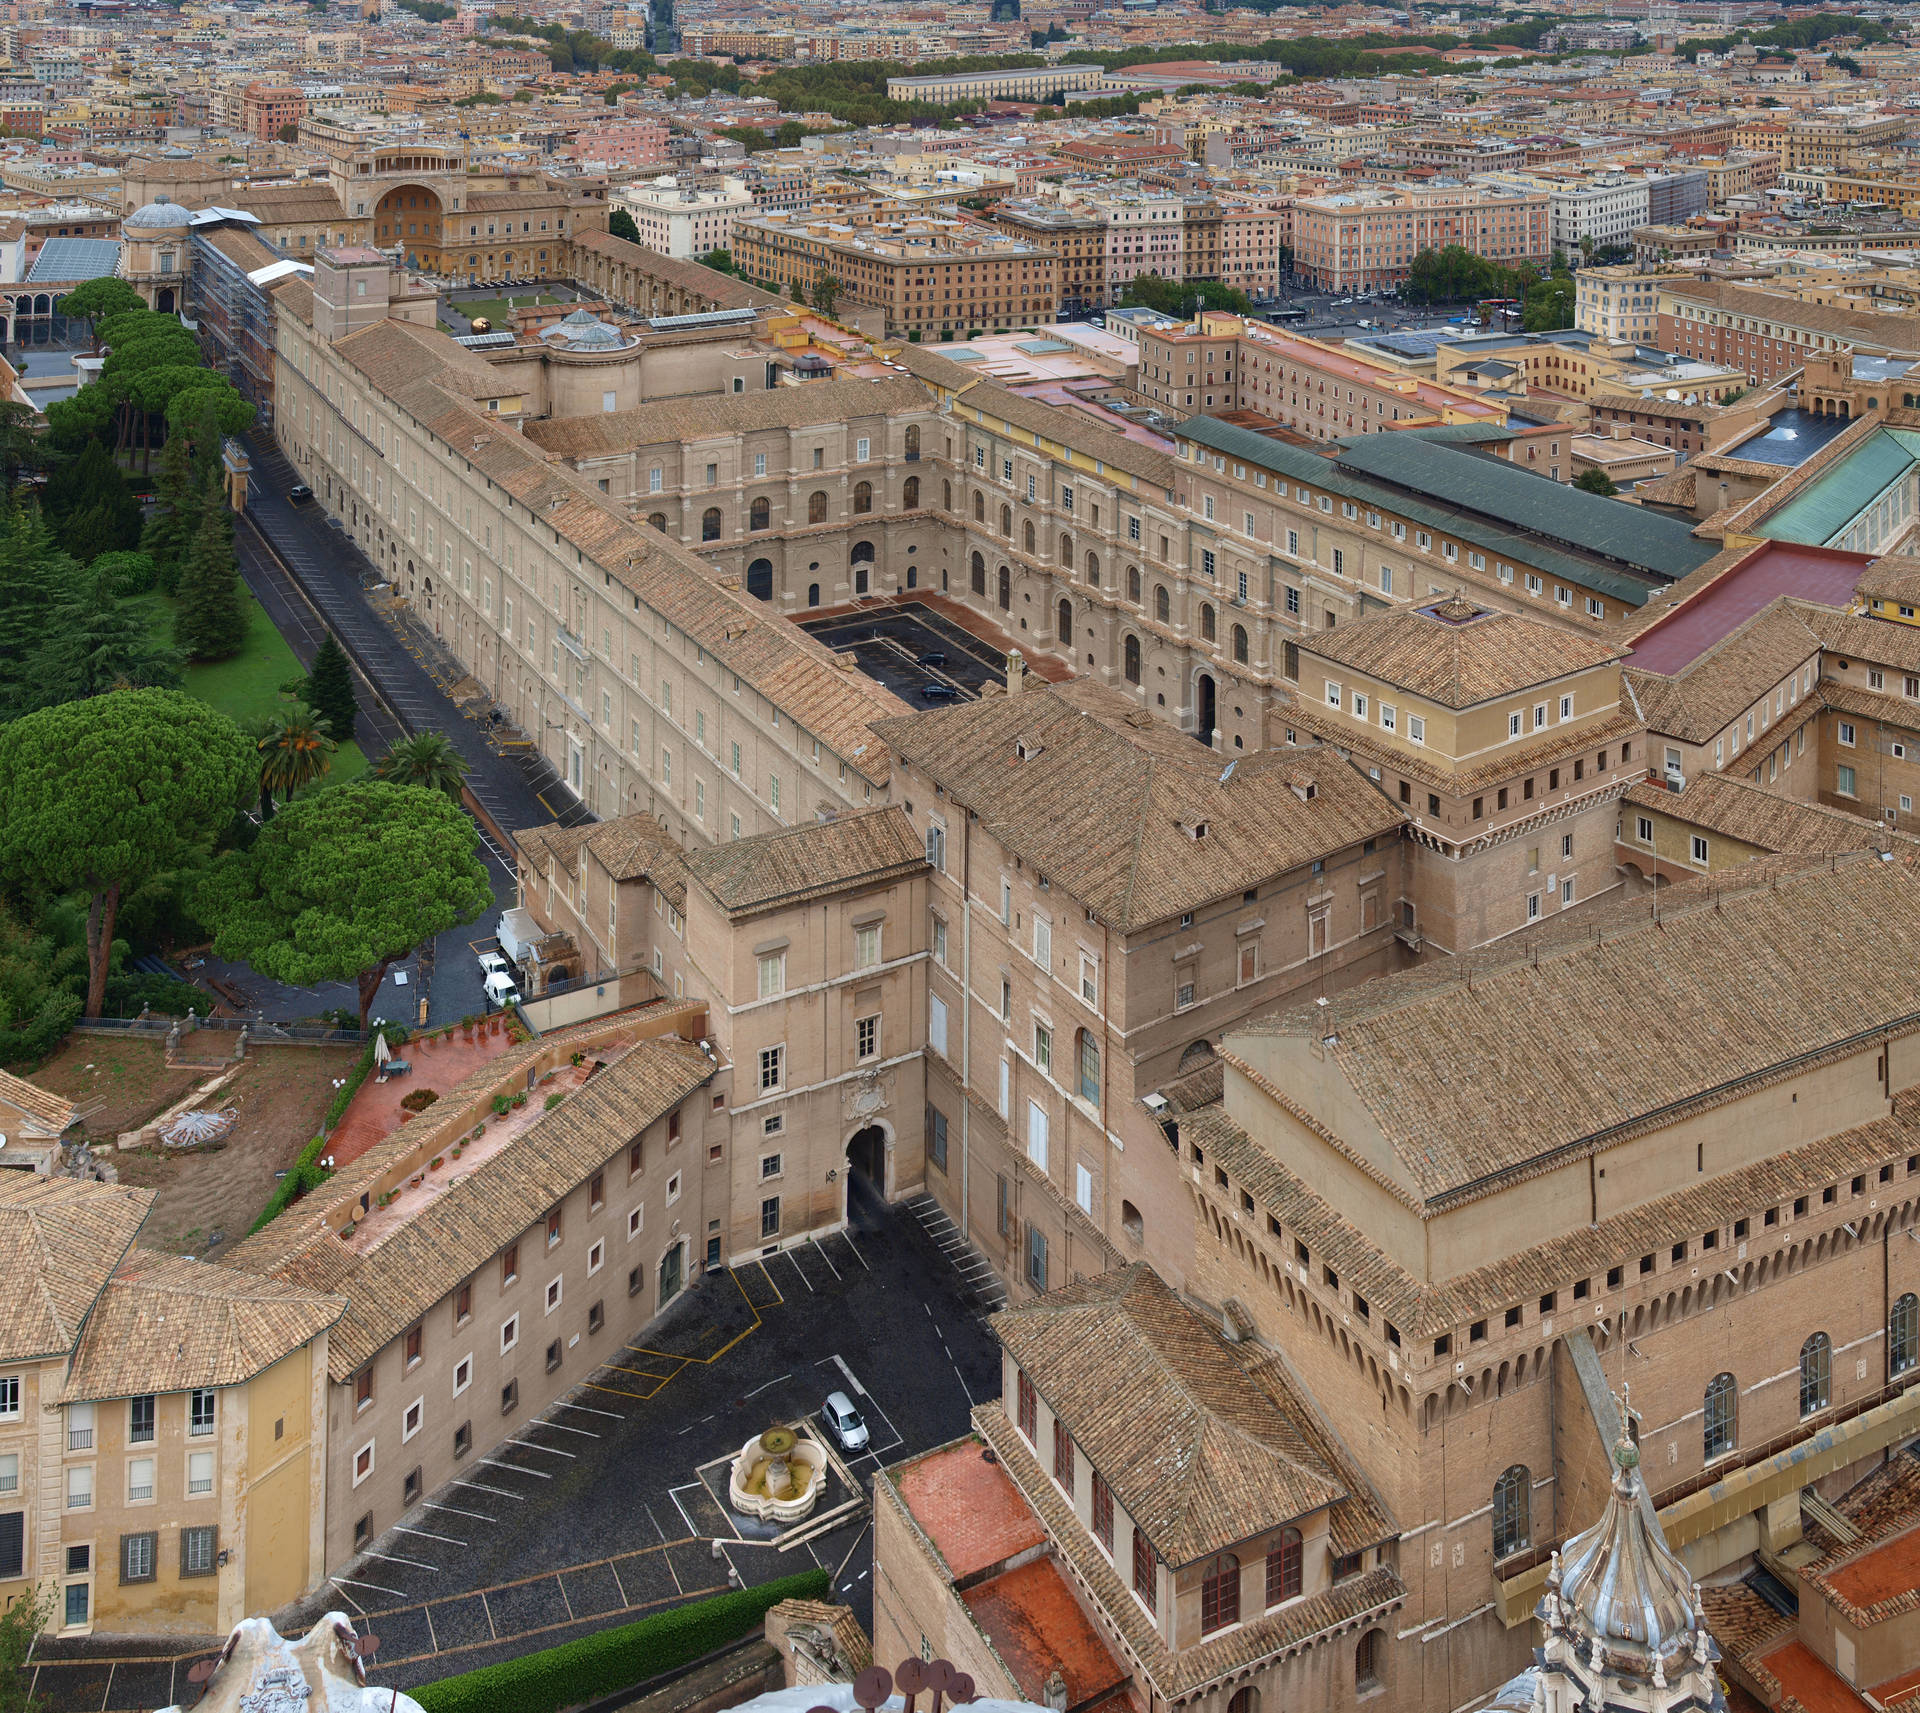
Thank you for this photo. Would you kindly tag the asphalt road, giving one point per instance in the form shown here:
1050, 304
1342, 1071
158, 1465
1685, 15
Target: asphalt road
608, 1505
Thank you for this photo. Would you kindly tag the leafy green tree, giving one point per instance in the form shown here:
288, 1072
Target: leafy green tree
621, 225
97, 299
20, 1626
1596, 481
826, 292
796, 291
721, 261
426, 759
169, 530
19, 440
98, 643
289, 133
342, 884
210, 622
99, 795
35, 576
91, 507
131, 573
41, 981
295, 748
1172, 297
329, 689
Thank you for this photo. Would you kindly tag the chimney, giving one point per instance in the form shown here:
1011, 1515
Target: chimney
1016, 671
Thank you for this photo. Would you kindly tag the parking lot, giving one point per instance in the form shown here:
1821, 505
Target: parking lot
612, 1504
909, 647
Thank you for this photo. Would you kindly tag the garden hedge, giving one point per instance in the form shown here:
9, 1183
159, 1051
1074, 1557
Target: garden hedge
612, 1660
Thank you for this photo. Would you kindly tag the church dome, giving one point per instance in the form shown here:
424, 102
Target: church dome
583, 331
1622, 1589
157, 217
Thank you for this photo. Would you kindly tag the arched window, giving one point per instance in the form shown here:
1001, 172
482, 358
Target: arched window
979, 569
710, 524
813, 594
1718, 1424
1006, 522
759, 515
1206, 622
910, 493
1006, 590
1283, 1567
816, 507
979, 508
760, 579
863, 496
658, 520
1131, 1222
862, 553
1512, 1521
1903, 1334
1220, 1593
1064, 628
1245, 1701
1162, 605
1816, 1374
1089, 1059
946, 496
913, 440
1066, 551
1133, 584
1240, 644
1026, 536
1130, 657
1366, 1661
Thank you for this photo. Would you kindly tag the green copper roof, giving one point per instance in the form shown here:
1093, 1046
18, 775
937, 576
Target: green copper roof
1832, 500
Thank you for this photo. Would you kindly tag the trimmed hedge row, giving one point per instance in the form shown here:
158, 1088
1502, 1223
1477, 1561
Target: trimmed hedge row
612, 1660
306, 1172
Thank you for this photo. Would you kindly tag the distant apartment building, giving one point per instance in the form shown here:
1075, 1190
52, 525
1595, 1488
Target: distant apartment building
628, 142
1367, 239
680, 218
1077, 235
266, 107
1250, 250
1025, 83
931, 277
1144, 231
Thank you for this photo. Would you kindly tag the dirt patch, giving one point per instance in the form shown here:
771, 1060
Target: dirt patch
127, 1075
280, 1096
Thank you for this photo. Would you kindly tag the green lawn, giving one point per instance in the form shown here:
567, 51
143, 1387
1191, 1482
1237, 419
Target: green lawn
248, 685
496, 309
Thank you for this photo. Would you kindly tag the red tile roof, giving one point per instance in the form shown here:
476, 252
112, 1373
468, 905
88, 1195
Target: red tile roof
968, 1507
1035, 1624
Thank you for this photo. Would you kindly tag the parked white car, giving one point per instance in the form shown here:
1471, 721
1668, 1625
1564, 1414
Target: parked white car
499, 979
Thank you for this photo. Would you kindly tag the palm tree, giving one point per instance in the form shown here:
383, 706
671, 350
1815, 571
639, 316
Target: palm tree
426, 758
295, 750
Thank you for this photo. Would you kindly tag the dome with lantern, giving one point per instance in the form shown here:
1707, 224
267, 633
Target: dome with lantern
157, 217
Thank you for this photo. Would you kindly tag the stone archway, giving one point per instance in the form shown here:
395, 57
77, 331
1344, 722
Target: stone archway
867, 1155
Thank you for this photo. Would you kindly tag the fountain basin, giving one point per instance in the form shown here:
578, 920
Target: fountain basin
777, 1476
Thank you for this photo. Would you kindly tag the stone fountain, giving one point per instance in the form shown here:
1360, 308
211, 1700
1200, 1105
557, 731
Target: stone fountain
777, 1476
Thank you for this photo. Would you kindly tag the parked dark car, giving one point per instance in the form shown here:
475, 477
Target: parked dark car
299, 493
939, 693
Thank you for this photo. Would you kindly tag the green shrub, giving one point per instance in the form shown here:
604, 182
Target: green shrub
612, 1660
307, 1173
553, 1100
419, 1100
500, 1105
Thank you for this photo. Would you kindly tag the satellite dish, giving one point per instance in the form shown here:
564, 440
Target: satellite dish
1673, 395
1693, 398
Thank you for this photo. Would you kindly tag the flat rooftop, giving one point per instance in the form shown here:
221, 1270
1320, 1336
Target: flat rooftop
1881, 1574
1789, 440
969, 1508
1035, 1624
1775, 568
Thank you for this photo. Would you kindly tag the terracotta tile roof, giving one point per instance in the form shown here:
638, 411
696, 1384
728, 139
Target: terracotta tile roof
165, 1323
843, 399
1422, 1309
1647, 1016
1878, 1577
1893, 577
391, 1285
1880, 642
1459, 663
1895, 711
792, 864
1741, 1622
434, 380
1107, 801
1736, 808
1855, 326
1200, 1457
1723, 682
1036, 1626
51, 1114
60, 1240
289, 204
1344, 1608
630, 847
967, 1507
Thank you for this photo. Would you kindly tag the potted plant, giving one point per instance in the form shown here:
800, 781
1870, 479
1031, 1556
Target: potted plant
519, 1100
500, 1105
435, 1163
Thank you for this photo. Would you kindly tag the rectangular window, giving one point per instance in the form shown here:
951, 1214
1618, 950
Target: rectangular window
199, 1472
936, 1023
773, 974
79, 1488
866, 947
1103, 1513
137, 1554
772, 1068
1083, 1188
1043, 1049
199, 1551
140, 1416
770, 1217
937, 1137
1043, 942
866, 1037
1843, 781
139, 1480
1145, 1572
1037, 1134
1417, 728
1036, 1258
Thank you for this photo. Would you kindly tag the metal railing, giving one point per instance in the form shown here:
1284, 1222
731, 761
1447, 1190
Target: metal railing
259, 1030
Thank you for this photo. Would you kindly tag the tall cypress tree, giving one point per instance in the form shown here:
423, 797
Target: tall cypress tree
210, 623
330, 689
169, 531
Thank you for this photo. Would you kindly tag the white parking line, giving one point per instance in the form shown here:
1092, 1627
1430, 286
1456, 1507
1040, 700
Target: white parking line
515, 1469
378, 1588
563, 1427
454, 1510
502, 1492
824, 1256
856, 1251
840, 1362
588, 1409
800, 1270
402, 1529
771, 1383
535, 1445
395, 1558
